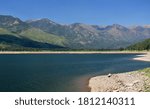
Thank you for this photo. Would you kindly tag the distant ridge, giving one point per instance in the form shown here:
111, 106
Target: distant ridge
73, 36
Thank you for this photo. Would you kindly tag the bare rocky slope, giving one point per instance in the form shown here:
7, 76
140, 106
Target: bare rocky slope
136, 81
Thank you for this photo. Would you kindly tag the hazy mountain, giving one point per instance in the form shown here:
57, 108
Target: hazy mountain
16, 34
77, 35
12, 24
146, 26
46, 25
93, 36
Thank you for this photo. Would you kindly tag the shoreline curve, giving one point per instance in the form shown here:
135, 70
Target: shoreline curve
134, 81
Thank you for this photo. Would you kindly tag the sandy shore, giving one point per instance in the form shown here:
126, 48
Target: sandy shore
126, 82
136, 81
71, 52
144, 57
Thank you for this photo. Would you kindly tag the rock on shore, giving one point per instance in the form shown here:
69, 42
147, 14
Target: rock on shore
136, 81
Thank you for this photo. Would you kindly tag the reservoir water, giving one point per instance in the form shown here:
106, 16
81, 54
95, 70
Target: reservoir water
60, 72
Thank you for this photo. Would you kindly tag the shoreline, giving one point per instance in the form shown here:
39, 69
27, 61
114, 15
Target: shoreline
135, 81
73, 52
144, 57
93, 82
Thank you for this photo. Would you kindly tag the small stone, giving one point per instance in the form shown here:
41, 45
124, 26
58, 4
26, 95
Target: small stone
115, 90
109, 75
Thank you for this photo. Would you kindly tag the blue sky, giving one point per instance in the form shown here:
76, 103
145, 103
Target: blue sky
100, 12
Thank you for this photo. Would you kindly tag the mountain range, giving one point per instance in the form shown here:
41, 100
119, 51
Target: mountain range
16, 34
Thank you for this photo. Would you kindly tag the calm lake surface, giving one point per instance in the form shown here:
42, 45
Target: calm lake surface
60, 72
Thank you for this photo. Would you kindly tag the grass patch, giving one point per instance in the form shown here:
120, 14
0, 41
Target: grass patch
146, 71
40, 36
146, 88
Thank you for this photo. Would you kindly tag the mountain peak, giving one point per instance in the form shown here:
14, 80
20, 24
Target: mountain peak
139, 28
8, 16
83, 26
7, 19
77, 24
12, 23
146, 26
32, 20
43, 20
116, 26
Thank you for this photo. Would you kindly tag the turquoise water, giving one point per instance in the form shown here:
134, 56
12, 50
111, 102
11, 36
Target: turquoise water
60, 72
